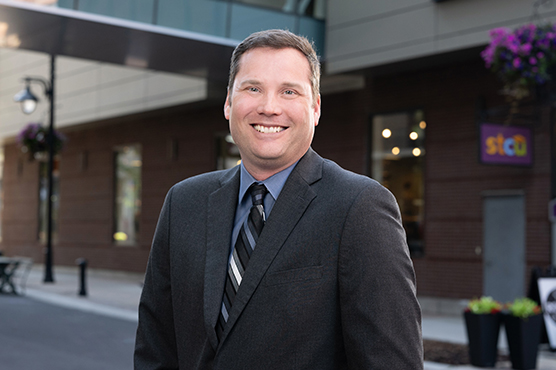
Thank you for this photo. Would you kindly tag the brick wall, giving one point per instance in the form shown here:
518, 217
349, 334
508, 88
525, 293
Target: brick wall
454, 179
87, 192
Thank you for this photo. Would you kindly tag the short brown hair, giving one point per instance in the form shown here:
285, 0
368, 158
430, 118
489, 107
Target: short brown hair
278, 39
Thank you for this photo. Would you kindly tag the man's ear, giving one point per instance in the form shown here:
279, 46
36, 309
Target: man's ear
316, 110
227, 107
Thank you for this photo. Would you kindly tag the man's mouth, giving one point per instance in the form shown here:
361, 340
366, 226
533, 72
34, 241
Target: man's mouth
268, 129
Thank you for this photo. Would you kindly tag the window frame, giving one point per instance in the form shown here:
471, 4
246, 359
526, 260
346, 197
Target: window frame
421, 250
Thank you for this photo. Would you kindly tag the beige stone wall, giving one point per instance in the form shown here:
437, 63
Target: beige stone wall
362, 33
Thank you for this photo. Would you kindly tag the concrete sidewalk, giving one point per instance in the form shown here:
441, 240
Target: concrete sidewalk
116, 294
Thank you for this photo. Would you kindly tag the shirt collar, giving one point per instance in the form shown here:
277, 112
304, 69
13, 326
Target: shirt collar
274, 183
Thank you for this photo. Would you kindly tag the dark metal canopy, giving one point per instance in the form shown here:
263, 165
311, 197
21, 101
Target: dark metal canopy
58, 31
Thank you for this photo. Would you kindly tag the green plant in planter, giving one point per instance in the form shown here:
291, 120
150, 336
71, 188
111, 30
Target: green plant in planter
523, 321
524, 308
482, 321
484, 305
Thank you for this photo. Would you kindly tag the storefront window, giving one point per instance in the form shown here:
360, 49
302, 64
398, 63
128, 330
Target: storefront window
398, 153
227, 152
127, 200
43, 199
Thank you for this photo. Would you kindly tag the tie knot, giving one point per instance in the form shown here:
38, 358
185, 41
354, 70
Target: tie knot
258, 192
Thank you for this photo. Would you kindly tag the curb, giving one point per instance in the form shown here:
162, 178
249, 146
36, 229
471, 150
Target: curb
82, 305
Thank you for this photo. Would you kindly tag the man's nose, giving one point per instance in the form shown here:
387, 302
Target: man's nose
269, 105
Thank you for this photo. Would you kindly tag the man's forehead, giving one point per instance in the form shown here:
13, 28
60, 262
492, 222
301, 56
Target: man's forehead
270, 50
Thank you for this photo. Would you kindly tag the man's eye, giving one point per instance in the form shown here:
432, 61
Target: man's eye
289, 92
254, 89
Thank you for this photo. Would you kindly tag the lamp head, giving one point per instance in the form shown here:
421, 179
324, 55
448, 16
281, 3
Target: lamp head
27, 99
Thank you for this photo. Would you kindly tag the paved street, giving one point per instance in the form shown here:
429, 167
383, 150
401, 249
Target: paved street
51, 327
41, 336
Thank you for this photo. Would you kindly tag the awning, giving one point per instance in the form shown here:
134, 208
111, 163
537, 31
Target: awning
77, 34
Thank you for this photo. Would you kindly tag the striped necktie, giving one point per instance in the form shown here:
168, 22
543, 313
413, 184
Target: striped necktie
245, 244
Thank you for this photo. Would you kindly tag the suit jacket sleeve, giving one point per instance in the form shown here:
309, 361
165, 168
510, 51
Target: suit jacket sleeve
381, 318
155, 346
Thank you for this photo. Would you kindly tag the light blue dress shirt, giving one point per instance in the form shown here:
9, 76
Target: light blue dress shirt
274, 184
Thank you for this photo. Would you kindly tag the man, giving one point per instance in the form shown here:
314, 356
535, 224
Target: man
327, 283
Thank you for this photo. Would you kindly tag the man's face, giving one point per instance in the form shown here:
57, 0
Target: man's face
271, 110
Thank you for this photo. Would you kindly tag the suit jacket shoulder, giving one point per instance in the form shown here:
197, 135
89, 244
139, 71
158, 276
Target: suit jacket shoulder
205, 183
345, 184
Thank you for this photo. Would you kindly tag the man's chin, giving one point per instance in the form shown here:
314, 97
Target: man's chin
266, 163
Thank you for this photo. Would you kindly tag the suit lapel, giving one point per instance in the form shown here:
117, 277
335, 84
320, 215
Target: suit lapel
220, 217
290, 206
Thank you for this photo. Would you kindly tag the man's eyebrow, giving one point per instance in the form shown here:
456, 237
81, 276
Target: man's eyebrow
292, 84
249, 82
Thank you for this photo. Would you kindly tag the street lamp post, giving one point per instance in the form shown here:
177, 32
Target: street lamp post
28, 104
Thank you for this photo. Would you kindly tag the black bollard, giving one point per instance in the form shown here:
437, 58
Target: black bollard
82, 263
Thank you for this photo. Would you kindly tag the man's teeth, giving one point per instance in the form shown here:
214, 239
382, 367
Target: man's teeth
268, 130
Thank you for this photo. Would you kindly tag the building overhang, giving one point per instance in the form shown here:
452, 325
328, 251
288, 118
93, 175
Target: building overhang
467, 55
58, 31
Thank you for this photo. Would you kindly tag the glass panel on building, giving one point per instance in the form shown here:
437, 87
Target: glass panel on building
135, 10
285, 5
227, 152
127, 195
43, 199
314, 30
234, 19
208, 17
310, 8
248, 19
398, 163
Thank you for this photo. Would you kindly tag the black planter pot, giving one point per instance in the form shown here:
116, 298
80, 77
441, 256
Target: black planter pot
524, 336
482, 334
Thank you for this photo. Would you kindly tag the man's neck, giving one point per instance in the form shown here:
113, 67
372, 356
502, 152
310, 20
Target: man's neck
261, 174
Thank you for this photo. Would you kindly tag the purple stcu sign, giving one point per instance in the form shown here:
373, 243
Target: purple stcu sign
506, 145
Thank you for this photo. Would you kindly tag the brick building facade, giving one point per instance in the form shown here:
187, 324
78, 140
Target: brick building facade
86, 212
455, 182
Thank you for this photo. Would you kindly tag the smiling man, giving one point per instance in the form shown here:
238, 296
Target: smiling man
286, 261
272, 109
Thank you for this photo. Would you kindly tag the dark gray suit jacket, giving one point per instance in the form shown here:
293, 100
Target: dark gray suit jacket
330, 284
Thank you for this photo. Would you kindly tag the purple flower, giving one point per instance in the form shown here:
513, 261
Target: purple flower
33, 138
521, 55
29, 132
488, 56
525, 49
500, 32
543, 43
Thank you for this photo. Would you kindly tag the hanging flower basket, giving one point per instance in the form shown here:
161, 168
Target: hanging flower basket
33, 139
523, 58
